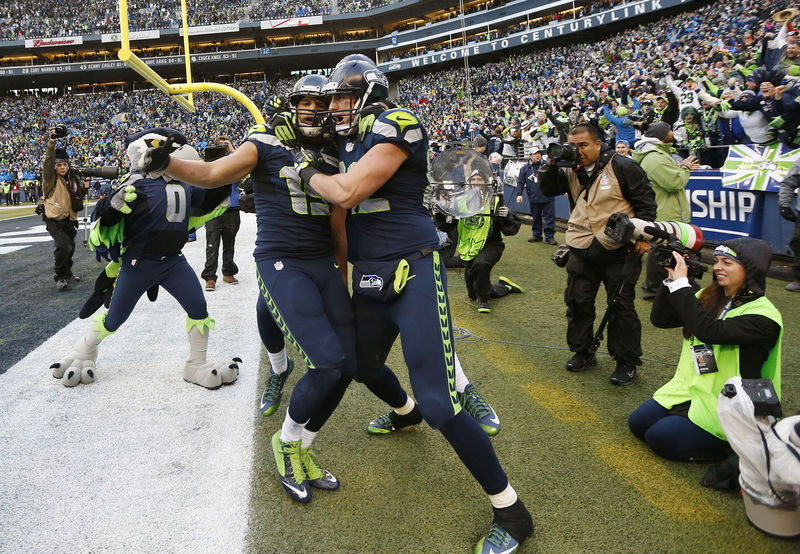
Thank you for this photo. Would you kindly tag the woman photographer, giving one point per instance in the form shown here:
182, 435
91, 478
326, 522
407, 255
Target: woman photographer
730, 328
63, 195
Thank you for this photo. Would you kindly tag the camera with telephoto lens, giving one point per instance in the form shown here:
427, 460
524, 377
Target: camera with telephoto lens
670, 236
563, 155
105, 172
762, 394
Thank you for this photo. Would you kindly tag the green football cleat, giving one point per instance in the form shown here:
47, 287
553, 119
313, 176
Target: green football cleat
496, 541
290, 468
318, 477
480, 410
273, 391
393, 421
510, 285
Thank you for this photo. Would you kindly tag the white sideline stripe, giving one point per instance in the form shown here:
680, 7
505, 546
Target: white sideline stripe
10, 249
35, 230
21, 240
139, 461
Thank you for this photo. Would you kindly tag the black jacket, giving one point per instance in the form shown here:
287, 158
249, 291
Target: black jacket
755, 334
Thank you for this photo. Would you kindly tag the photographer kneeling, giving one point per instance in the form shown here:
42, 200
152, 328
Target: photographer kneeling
730, 329
63, 192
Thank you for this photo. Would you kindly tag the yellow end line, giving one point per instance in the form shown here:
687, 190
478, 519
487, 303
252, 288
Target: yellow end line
649, 475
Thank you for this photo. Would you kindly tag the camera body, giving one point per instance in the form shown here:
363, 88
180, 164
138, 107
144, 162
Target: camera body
59, 131
664, 258
214, 152
763, 395
561, 256
563, 155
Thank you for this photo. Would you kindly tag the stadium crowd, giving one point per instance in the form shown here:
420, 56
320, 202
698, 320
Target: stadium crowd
56, 18
619, 83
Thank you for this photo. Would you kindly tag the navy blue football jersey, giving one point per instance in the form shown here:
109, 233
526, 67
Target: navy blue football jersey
159, 223
293, 221
393, 222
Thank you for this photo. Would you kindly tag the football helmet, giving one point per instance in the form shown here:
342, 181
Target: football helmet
309, 85
364, 82
355, 58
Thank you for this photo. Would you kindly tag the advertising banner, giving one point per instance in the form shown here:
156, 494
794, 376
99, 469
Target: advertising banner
723, 213
213, 29
48, 42
291, 22
133, 35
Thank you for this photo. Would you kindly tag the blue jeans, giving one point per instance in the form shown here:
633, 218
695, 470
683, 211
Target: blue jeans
675, 436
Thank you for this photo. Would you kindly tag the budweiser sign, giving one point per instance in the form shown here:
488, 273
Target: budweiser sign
46, 42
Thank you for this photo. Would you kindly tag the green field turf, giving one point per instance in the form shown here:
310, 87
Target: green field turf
590, 485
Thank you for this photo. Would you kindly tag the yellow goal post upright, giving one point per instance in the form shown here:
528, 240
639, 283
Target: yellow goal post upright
181, 92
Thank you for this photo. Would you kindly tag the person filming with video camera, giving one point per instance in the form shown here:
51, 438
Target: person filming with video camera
599, 182
62, 193
730, 328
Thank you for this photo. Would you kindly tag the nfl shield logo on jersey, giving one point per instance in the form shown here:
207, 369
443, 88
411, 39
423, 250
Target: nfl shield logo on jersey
278, 265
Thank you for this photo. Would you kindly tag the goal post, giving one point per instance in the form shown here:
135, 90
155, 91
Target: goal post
180, 92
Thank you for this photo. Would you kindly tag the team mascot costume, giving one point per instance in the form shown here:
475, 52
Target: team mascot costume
140, 228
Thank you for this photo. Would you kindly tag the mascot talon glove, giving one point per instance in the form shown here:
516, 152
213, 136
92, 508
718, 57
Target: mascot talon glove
157, 159
123, 198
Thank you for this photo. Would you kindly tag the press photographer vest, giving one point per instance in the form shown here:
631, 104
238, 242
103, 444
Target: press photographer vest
473, 231
59, 204
703, 390
589, 215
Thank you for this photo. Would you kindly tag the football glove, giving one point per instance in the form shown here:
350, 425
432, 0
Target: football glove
724, 106
307, 163
123, 198
284, 123
157, 159
777, 122
502, 211
788, 214
275, 104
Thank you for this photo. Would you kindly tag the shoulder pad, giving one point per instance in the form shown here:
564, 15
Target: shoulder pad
260, 128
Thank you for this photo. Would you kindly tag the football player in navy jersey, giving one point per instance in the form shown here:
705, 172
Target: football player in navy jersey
400, 283
300, 281
156, 212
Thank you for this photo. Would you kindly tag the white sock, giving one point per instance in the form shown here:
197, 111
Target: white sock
291, 431
461, 379
505, 498
278, 361
406, 408
307, 437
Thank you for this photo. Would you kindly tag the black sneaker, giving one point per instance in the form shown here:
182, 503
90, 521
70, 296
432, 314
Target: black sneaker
624, 374
581, 361
483, 306
510, 528
393, 421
